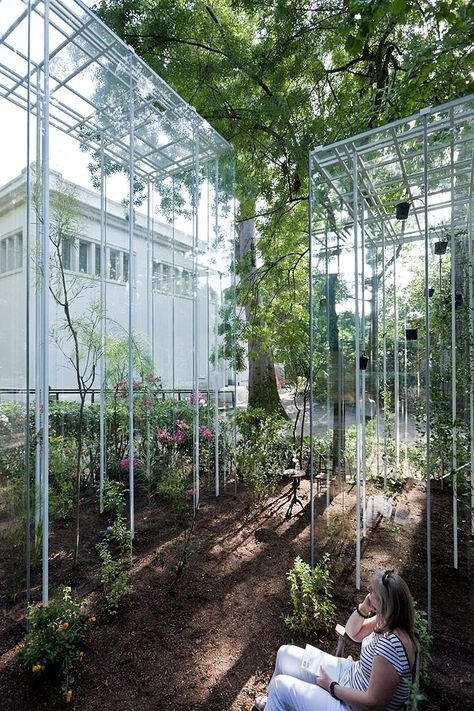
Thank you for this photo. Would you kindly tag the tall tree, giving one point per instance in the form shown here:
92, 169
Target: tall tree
277, 78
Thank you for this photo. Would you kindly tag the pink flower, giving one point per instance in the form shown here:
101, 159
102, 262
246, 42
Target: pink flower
125, 463
121, 383
190, 492
164, 434
206, 432
191, 397
179, 436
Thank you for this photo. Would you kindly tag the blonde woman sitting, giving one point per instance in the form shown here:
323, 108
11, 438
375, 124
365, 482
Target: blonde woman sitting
381, 680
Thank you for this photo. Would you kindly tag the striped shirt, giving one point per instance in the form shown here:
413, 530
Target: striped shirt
389, 646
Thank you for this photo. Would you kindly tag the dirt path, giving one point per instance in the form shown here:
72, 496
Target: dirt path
210, 644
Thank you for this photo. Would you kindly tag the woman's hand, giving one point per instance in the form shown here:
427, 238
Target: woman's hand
366, 605
323, 679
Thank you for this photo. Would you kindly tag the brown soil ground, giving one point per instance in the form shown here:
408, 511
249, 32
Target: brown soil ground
209, 642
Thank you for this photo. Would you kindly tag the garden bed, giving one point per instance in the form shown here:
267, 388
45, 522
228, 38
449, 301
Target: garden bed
209, 642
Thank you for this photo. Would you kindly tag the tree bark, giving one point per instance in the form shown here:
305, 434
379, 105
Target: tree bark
263, 390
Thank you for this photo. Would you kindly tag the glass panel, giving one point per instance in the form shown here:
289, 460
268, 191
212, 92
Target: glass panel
120, 297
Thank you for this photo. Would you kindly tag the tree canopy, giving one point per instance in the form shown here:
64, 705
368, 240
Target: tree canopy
277, 78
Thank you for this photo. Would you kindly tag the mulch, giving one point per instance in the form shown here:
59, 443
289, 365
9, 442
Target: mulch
208, 642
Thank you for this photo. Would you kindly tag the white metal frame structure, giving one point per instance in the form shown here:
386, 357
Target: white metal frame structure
76, 100
426, 160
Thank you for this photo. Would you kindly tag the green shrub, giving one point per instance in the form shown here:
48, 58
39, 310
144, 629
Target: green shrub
311, 598
175, 486
263, 451
114, 553
55, 639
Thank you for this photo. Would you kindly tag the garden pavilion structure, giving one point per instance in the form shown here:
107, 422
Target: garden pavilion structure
116, 257
391, 293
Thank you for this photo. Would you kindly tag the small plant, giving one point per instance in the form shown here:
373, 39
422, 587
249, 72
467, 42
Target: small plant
114, 552
175, 487
54, 642
425, 640
113, 499
311, 597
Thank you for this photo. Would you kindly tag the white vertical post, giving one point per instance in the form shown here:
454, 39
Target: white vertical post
38, 315
471, 340
384, 363
377, 363
311, 367
27, 286
427, 375
405, 390
396, 366
362, 431
453, 357
45, 314
216, 340
103, 306
131, 215
357, 361
330, 370
195, 327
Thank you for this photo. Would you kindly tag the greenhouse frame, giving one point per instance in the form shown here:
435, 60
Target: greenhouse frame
392, 320
116, 271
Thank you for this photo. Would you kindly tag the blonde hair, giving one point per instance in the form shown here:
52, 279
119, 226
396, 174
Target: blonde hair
396, 604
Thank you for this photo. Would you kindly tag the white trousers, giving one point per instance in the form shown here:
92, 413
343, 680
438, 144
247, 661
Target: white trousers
294, 689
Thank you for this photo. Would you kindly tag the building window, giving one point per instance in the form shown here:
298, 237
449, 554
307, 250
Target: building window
163, 276
97, 259
125, 267
66, 252
84, 257
187, 283
114, 265
3, 256
11, 253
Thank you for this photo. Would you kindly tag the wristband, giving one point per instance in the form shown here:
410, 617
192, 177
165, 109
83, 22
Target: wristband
365, 615
331, 689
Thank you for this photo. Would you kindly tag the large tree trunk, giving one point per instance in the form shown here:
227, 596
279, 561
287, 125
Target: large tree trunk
263, 390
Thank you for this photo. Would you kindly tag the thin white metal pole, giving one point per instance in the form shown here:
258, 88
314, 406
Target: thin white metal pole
331, 374
208, 320
405, 390
131, 216
471, 344
357, 363
377, 363
362, 431
453, 359
195, 325
216, 399
173, 299
27, 286
38, 317
234, 340
216, 341
396, 366
45, 314
427, 375
311, 366
384, 363
102, 364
